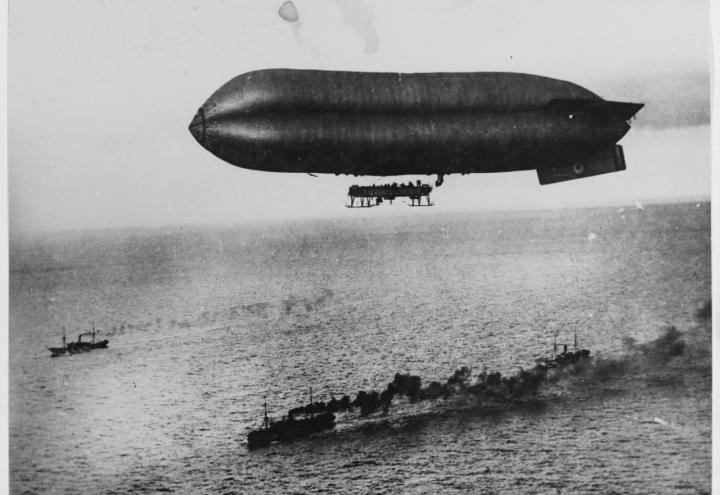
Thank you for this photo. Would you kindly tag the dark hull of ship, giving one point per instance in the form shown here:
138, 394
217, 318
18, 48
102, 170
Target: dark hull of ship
78, 347
290, 429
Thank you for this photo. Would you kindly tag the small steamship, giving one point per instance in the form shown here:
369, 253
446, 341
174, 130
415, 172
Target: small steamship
78, 346
291, 427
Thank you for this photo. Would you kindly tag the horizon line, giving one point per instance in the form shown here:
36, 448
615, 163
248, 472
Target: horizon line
335, 216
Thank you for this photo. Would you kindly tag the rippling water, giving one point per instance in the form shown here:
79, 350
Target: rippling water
204, 323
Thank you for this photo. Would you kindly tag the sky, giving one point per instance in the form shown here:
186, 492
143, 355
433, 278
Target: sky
100, 94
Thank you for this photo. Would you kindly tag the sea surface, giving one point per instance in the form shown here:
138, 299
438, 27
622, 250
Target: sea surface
207, 323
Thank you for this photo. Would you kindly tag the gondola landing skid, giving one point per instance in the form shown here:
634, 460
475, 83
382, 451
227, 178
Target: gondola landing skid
369, 196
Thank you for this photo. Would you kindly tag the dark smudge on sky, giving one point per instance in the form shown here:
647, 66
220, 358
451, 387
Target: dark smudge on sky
360, 16
289, 12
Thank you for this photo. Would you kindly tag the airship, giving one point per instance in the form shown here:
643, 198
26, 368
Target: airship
388, 124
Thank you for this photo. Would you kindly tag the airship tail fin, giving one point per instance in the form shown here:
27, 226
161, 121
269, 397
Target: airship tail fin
619, 110
622, 110
605, 161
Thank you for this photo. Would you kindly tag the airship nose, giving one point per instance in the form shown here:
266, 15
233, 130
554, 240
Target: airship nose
197, 126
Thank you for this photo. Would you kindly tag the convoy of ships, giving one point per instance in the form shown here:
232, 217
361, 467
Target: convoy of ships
316, 417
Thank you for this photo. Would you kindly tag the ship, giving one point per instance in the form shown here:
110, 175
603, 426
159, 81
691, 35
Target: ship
492, 388
565, 357
289, 428
78, 346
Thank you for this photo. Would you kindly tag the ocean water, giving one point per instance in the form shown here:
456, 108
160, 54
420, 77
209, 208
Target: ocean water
206, 323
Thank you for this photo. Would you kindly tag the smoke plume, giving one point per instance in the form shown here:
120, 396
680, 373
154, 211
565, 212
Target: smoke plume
526, 386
